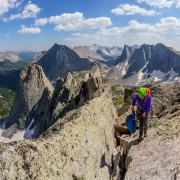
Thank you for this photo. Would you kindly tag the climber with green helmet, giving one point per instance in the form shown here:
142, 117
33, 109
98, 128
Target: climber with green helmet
144, 104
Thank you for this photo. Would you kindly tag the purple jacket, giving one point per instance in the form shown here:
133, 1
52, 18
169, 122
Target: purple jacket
145, 104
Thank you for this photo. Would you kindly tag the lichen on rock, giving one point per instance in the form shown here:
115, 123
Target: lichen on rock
81, 148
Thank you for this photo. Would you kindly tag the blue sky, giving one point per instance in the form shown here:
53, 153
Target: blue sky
36, 25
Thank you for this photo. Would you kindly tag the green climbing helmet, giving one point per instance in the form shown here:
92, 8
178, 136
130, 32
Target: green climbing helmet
141, 92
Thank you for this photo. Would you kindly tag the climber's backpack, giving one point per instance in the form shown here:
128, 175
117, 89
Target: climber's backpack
148, 91
130, 123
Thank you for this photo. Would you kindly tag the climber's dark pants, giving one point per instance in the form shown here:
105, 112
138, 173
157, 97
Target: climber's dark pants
143, 122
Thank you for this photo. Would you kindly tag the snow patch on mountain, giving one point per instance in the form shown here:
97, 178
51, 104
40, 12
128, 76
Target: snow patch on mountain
157, 74
172, 74
28, 134
124, 69
19, 135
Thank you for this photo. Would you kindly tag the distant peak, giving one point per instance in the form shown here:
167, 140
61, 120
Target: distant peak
160, 44
136, 46
56, 47
55, 44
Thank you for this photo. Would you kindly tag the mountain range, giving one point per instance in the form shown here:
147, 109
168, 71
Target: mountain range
93, 52
108, 53
9, 56
131, 64
26, 56
149, 63
57, 61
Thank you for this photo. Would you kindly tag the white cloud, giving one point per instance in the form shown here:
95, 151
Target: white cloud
66, 18
41, 22
76, 21
158, 3
166, 32
166, 26
5, 19
5, 5
169, 25
30, 11
131, 10
118, 11
178, 4
92, 23
7, 34
76, 34
133, 30
32, 30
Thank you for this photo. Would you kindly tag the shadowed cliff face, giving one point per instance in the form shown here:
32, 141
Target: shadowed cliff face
59, 60
81, 148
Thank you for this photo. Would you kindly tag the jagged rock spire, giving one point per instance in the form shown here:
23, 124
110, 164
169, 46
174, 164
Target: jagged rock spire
31, 85
93, 85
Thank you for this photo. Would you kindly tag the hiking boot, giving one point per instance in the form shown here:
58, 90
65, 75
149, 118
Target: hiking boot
139, 139
145, 132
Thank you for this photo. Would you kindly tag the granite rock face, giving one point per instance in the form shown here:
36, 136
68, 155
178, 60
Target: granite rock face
126, 53
81, 148
93, 86
32, 82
